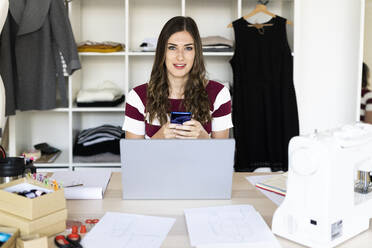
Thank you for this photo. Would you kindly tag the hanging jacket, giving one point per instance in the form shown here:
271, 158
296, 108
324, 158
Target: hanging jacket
34, 35
4, 7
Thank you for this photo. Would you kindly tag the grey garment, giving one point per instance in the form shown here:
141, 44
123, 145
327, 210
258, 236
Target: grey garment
103, 157
30, 64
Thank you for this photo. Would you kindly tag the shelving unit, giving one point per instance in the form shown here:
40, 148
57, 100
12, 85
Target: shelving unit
127, 22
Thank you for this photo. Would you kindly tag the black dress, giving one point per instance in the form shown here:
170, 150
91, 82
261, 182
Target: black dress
264, 101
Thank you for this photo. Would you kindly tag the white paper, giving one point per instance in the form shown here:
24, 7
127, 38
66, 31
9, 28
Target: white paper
94, 183
228, 226
121, 230
276, 198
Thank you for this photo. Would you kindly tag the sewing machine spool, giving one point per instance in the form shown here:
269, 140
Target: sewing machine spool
363, 185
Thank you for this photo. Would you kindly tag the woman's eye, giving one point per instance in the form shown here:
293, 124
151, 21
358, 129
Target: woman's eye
171, 47
189, 48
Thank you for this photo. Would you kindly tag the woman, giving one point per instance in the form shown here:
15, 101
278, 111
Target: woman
366, 101
178, 83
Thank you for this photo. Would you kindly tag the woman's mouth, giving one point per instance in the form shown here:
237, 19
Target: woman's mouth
179, 66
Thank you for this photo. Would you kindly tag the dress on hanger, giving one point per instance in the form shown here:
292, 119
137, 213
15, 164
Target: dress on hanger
264, 101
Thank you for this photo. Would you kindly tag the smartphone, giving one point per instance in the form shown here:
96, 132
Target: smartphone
180, 117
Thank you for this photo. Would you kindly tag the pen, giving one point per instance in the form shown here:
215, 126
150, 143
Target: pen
75, 185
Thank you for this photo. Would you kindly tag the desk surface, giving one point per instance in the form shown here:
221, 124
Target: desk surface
242, 193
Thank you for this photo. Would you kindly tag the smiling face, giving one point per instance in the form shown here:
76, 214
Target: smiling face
179, 55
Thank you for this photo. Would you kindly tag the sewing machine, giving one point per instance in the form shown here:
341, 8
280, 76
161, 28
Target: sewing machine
323, 206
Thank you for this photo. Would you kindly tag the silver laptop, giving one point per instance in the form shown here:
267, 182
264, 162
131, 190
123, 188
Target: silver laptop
177, 169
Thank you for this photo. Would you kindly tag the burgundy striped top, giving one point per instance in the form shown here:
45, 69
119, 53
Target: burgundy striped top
135, 110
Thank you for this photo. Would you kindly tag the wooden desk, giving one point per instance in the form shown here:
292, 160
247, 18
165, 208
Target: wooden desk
243, 193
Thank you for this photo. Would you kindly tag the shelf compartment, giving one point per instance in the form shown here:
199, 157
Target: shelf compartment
102, 54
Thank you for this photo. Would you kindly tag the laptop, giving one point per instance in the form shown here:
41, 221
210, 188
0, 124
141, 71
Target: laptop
177, 169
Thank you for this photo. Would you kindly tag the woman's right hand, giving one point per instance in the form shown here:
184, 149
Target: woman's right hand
166, 131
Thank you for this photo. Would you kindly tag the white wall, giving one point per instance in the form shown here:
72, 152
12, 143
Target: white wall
368, 34
327, 62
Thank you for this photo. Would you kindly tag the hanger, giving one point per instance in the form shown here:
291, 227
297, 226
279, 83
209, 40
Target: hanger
260, 7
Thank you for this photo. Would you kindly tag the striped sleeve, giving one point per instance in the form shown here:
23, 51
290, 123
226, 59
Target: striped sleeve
368, 101
134, 120
221, 115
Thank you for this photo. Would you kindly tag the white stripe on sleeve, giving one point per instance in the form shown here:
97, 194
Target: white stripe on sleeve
134, 100
221, 123
134, 126
222, 97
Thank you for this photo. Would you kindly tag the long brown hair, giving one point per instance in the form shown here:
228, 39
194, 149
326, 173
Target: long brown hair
195, 96
365, 74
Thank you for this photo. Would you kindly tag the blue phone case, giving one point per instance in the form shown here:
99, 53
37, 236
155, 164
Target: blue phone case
180, 117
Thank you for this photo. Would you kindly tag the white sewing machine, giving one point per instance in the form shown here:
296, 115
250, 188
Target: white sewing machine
321, 208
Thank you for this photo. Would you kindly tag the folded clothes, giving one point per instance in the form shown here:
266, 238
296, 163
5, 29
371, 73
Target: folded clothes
98, 140
107, 157
216, 40
114, 130
102, 103
103, 47
218, 49
149, 44
105, 92
112, 146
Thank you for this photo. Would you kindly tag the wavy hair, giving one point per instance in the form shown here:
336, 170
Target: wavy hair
196, 98
365, 74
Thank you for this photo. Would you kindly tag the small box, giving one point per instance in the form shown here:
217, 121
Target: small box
30, 208
32, 241
46, 225
11, 243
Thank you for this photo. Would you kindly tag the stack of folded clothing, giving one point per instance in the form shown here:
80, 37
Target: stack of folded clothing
99, 144
148, 45
217, 44
100, 47
108, 94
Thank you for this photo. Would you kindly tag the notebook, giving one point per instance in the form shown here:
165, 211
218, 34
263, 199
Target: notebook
276, 184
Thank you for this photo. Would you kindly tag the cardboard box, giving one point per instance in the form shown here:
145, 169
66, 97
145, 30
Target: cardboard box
11, 243
47, 225
32, 241
31, 208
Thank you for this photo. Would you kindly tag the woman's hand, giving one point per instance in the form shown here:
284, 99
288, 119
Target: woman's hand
191, 130
167, 131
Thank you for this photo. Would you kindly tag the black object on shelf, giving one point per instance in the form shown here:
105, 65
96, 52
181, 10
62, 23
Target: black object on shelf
45, 148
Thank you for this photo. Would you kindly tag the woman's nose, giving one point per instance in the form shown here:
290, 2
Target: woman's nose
180, 55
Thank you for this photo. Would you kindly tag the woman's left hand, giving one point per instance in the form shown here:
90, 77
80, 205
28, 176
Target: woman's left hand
191, 130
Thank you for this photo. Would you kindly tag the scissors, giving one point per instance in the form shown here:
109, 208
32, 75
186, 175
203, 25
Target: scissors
91, 221
70, 241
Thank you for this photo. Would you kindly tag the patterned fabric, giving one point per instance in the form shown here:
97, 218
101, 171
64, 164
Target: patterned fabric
137, 122
366, 102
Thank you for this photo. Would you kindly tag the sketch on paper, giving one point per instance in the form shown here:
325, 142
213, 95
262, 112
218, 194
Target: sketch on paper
128, 231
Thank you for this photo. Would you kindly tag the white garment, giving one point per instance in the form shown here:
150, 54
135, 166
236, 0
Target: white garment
4, 7
107, 91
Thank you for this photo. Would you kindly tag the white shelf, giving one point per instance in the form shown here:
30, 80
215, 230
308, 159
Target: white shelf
61, 161
106, 109
141, 53
204, 53
107, 164
102, 54
224, 54
119, 108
